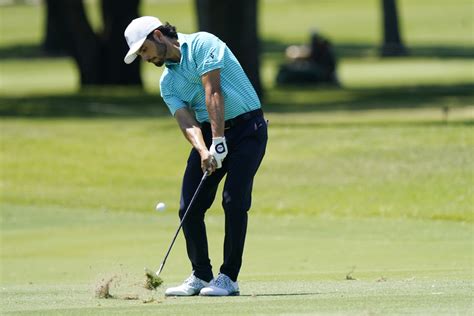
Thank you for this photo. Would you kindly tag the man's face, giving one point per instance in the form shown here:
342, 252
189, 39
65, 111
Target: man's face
153, 51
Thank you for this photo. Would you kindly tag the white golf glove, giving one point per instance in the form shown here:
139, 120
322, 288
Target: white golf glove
219, 150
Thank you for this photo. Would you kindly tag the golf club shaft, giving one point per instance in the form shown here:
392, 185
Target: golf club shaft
204, 177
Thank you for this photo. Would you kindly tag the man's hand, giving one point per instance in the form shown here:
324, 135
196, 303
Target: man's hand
219, 150
208, 162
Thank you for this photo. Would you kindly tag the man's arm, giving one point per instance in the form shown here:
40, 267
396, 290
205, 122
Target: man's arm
191, 130
211, 81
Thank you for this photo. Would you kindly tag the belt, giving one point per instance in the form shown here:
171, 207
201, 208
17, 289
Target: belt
242, 118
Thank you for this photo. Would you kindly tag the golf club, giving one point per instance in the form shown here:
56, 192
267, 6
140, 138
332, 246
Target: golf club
155, 276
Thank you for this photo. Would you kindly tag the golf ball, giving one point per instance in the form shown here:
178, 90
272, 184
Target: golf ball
160, 207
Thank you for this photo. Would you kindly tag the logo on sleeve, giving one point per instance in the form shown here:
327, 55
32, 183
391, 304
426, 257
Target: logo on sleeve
212, 55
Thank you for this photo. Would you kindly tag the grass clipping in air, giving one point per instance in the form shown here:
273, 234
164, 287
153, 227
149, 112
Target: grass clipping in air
102, 290
152, 281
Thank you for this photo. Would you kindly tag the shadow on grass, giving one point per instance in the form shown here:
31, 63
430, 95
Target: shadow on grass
26, 51
309, 99
112, 103
136, 103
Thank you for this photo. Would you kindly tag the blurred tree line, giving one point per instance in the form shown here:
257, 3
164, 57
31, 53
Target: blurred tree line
99, 56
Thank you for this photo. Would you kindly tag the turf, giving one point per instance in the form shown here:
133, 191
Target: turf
386, 203
53, 257
419, 170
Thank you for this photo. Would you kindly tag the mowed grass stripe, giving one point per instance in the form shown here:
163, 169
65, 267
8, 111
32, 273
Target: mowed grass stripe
419, 171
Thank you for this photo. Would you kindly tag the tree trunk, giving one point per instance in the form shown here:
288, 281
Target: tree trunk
392, 42
116, 16
82, 43
53, 43
235, 22
99, 58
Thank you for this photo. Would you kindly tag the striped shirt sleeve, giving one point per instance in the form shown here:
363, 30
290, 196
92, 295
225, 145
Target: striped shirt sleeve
209, 53
172, 101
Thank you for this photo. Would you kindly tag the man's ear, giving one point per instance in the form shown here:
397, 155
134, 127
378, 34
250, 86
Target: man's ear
157, 35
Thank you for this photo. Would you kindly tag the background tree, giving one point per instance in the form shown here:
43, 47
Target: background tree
236, 23
99, 57
392, 41
53, 43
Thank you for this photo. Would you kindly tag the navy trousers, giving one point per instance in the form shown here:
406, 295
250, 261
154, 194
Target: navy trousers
246, 142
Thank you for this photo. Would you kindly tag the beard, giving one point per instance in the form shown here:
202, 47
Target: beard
161, 51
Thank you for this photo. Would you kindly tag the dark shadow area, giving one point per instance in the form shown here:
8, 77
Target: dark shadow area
25, 51
352, 50
84, 105
136, 103
367, 98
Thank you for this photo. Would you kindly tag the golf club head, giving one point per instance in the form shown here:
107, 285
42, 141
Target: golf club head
159, 270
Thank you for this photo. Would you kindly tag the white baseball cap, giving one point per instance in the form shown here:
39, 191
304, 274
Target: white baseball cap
136, 33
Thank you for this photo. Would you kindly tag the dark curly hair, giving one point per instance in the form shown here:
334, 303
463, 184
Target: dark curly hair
167, 30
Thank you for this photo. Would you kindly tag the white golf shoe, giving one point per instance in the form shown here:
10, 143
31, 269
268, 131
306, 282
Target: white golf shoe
191, 286
221, 286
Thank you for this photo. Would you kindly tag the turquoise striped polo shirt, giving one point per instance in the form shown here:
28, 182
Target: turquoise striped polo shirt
181, 85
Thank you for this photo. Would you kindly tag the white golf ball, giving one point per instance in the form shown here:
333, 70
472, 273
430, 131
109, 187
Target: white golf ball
160, 207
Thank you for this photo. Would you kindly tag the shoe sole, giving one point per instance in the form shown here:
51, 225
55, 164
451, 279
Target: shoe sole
183, 295
231, 294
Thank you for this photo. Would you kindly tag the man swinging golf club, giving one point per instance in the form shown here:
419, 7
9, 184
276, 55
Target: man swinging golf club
219, 113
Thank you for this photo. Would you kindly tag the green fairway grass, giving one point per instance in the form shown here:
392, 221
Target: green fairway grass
54, 257
389, 204
363, 204
422, 170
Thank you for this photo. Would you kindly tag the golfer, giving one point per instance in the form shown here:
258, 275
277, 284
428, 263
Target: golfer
219, 113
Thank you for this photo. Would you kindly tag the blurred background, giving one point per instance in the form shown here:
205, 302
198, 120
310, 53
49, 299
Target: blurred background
420, 49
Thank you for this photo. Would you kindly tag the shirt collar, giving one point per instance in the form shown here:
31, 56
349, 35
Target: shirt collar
183, 43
